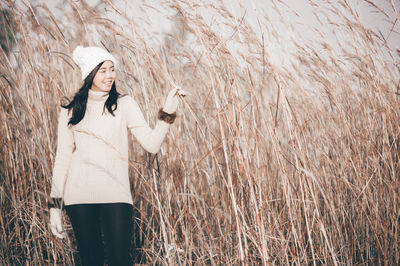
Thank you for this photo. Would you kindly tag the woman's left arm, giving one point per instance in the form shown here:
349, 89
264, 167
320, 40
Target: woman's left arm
151, 139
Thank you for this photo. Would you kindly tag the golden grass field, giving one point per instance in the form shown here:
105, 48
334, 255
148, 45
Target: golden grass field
265, 164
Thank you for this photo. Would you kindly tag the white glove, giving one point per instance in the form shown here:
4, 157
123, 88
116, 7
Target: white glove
172, 101
56, 226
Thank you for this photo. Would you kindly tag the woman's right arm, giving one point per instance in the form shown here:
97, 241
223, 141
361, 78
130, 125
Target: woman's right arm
65, 147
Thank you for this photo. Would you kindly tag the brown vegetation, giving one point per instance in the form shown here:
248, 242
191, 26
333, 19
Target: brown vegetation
264, 165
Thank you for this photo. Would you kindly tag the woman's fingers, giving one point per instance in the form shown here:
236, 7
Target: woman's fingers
178, 91
55, 230
60, 230
172, 101
181, 93
56, 226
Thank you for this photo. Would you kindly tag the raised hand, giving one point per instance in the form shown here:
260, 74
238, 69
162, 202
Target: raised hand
172, 100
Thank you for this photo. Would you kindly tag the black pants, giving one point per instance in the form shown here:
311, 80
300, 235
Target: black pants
93, 223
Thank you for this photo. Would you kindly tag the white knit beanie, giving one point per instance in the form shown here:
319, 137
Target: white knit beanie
87, 58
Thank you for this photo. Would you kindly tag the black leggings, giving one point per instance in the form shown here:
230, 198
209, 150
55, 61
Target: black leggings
109, 221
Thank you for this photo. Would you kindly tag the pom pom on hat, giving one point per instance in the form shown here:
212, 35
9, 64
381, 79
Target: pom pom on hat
87, 58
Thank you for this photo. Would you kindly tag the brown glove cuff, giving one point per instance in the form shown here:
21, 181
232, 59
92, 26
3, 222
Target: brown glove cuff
166, 117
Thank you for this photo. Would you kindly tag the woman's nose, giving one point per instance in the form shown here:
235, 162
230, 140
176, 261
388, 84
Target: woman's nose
109, 74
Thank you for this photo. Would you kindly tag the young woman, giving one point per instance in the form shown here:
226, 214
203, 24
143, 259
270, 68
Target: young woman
90, 174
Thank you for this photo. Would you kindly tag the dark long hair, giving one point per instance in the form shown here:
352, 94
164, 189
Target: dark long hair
78, 103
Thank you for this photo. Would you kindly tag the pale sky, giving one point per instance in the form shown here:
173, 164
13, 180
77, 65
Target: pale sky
299, 13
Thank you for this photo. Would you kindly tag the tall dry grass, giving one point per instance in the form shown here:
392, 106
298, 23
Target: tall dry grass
266, 164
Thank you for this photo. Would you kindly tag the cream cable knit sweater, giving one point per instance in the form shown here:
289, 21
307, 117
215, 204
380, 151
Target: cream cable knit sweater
91, 164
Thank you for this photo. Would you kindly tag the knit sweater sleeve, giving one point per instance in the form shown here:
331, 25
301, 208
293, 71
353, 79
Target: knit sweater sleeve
65, 147
150, 139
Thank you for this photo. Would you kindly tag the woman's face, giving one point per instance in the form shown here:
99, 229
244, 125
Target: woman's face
104, 77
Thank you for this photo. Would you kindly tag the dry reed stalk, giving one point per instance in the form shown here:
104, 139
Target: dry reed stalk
265, 164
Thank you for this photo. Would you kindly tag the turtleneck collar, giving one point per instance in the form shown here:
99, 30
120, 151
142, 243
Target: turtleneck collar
98, 96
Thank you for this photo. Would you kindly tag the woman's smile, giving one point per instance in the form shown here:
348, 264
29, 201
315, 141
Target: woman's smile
104, 78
